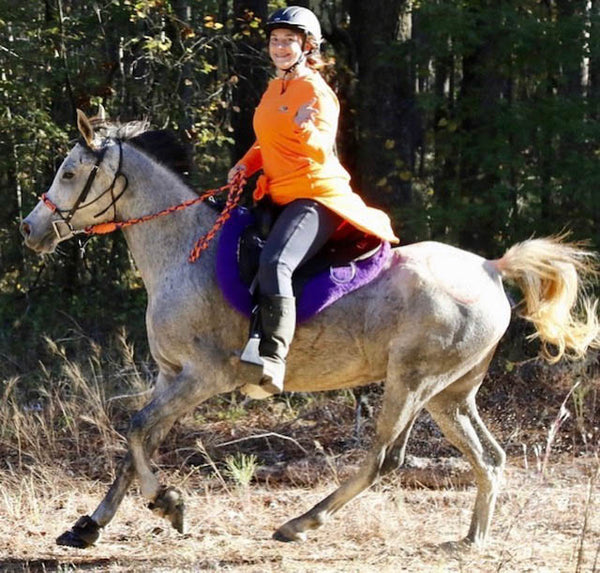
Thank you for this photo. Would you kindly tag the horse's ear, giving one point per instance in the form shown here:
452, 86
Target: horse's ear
85, 128
101, 115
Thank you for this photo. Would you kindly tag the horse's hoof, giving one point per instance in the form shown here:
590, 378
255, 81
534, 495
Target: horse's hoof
169, 504
460, 546
287, 535
83, 534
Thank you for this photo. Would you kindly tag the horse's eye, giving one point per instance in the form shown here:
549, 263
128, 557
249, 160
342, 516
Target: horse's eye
68, 175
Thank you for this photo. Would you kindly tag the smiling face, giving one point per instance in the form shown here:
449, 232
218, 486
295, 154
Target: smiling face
285, 48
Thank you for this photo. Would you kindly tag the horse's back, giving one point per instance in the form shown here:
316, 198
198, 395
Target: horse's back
464, 276
432, 302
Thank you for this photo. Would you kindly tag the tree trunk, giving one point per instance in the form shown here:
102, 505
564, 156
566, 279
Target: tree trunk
480, 91
593, 94
594, 61
386, 104
572, 44
183, 10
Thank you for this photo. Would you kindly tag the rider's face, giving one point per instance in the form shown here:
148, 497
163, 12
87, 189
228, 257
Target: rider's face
285, 47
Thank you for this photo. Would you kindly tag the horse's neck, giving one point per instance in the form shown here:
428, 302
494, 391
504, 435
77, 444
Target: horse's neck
161, 247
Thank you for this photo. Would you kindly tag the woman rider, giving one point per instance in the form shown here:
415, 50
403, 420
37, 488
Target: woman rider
295, 125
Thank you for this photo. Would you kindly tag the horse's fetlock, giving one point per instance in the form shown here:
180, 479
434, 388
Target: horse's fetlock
160, 504
170, 505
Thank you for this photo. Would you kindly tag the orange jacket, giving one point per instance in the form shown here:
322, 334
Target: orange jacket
300, 162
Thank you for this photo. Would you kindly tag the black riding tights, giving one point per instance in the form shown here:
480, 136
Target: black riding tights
301, 229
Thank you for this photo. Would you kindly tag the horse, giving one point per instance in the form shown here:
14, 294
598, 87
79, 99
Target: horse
427, 325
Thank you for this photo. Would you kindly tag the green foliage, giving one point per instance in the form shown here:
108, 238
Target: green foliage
241, 468
475, 124
508, 121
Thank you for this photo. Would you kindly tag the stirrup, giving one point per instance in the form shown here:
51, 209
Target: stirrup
251, 352
260, 391
270, 383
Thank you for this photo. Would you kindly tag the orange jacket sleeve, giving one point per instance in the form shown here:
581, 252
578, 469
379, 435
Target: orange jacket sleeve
252, 159
319, 135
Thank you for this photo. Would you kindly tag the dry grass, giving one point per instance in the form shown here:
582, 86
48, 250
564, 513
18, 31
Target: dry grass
538, 527
59, 446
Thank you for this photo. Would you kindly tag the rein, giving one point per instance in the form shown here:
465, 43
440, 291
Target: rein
233, 198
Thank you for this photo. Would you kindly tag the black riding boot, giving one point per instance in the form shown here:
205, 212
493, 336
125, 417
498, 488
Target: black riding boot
278, 323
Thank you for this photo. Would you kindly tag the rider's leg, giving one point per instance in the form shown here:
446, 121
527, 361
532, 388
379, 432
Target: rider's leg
302, 228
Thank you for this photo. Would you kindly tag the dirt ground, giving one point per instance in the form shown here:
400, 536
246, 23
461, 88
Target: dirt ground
542, 524
547, 517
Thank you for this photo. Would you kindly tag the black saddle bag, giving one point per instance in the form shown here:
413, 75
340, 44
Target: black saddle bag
253, 238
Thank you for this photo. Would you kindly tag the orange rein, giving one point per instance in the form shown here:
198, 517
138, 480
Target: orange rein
233, 198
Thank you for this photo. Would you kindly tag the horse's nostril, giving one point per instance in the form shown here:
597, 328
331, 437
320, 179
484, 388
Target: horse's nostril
25, 229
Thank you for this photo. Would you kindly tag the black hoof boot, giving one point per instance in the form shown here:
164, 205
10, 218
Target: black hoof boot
83, 534
169, 504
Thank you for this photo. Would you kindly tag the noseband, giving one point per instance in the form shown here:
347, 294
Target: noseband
67, 214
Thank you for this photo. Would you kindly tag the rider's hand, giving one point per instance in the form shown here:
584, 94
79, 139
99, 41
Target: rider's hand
306, 113
233, 172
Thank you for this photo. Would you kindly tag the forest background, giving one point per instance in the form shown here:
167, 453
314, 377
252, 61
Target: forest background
473, 122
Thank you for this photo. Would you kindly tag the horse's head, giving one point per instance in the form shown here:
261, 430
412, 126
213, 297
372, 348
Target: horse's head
84, 191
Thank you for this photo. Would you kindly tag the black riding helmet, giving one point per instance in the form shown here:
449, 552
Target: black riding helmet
295, 18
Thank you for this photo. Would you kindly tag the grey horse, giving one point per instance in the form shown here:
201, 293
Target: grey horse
428, 326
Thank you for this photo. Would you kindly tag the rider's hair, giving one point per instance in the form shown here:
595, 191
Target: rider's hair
314, 59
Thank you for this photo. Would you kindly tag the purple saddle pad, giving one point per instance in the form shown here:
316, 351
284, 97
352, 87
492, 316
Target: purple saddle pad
319, 291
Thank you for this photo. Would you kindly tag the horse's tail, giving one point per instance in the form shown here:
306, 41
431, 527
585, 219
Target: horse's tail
552, 275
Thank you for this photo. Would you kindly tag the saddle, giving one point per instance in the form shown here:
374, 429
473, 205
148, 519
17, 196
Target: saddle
343, 265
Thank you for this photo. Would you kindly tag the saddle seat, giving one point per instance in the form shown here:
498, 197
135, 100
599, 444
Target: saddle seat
342, 266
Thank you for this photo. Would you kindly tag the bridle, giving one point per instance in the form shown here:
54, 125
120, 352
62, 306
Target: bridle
235, 189
67, 214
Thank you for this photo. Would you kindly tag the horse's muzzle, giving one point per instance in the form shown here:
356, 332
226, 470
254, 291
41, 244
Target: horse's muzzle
40, 242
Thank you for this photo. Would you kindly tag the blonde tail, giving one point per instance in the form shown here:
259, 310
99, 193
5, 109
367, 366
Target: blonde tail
552, 273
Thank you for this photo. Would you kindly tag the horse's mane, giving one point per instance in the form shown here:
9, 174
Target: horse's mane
161, 144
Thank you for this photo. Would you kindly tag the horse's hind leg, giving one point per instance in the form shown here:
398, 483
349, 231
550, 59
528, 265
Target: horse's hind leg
394, 457
455, 411
400, 407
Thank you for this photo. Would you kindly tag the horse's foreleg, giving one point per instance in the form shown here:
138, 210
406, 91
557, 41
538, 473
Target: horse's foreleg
400, 406
86, 530
455, 411
150, 430
184, 393
112, 500
126, 473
